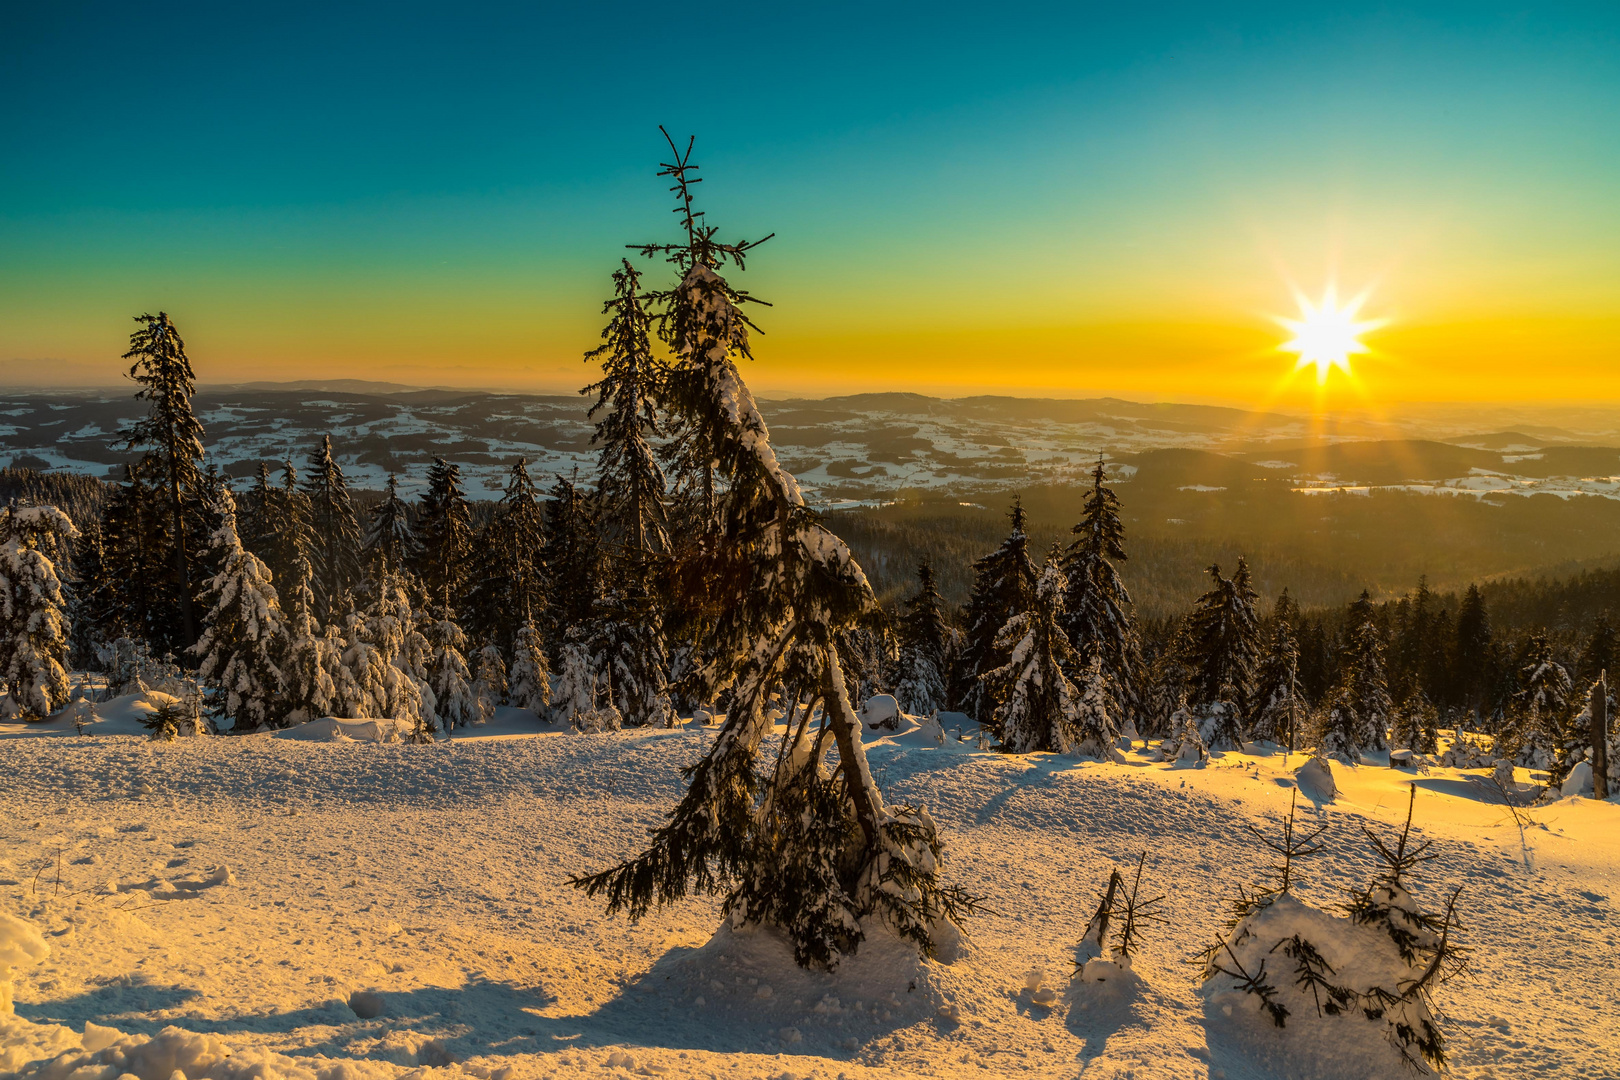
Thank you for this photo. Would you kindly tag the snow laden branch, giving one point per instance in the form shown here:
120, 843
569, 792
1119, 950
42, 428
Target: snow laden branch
808, 846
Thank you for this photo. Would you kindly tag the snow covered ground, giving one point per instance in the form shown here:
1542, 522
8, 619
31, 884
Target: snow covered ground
341, 908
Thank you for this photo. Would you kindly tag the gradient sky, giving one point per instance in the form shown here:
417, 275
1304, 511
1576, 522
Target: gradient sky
1070, 200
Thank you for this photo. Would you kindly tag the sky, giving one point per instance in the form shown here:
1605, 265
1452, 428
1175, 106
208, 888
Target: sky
1067, 200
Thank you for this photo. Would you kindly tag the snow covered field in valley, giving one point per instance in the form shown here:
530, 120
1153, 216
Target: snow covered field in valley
281, 907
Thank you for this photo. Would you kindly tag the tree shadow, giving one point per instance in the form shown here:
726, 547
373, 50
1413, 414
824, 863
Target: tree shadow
1042, 773
741, 992
1098, 1011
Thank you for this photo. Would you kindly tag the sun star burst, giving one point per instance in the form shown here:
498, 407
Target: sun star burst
1326, 334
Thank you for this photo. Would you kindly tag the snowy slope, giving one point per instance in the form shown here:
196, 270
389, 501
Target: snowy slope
242, 889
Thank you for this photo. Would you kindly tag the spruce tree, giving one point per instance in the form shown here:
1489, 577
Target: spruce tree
489, 683
1415, 725
1601, 650
1472, 655
292, 534
380, 680
1357, 714
571, 557
509, 572
1097, 610
1278, 703
449, 675
391, 540
803, 849
335, 528
1539, 717
626, 650
1041, 708
257, 520
630, 483
444, 535
920, 681
133, 602
311, 663
530, 674
1224, 638
243, 632
1169, 681
1003, 587
172, 439
34, 631
579, 690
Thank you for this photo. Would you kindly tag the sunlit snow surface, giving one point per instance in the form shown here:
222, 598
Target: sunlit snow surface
240, 890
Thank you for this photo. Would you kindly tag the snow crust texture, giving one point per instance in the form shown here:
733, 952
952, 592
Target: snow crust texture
348, 910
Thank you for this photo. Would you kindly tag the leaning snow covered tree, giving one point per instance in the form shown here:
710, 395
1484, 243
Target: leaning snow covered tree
799, 837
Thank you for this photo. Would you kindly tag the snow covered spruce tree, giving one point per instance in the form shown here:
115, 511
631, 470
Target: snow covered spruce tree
1357, 715
628, 656
449, 675
1540, 708
311, 662
377, 681
444, 535
529, 685
1003, 586
1279, 707
172, 439
1356, 986
335, 528
1224, 639
627, 631
1097, 610
630, 484
1415, 724
489, 682
243, 632
34, 629
1040, 707
920, 681
391, 538
1169, 680
805, 844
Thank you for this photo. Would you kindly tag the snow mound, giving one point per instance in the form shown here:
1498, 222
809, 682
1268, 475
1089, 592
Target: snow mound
49, 1052
1322, 1041
331, 729
1315, 780
20, 942
745, 979
881, 713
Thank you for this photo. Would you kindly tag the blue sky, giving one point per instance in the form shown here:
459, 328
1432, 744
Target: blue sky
443, 191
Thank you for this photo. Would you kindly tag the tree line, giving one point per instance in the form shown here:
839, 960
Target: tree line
1052, 658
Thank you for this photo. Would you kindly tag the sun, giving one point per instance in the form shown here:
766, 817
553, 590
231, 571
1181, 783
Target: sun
1326, 334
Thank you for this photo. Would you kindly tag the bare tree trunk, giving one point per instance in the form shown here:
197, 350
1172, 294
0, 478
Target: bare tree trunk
1600, 737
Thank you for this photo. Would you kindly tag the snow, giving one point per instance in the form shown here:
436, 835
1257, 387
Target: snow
230, 907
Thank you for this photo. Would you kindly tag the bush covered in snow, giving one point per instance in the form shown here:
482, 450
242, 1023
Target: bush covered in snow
1352, 984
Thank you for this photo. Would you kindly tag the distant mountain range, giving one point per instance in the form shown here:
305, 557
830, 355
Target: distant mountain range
845, 450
